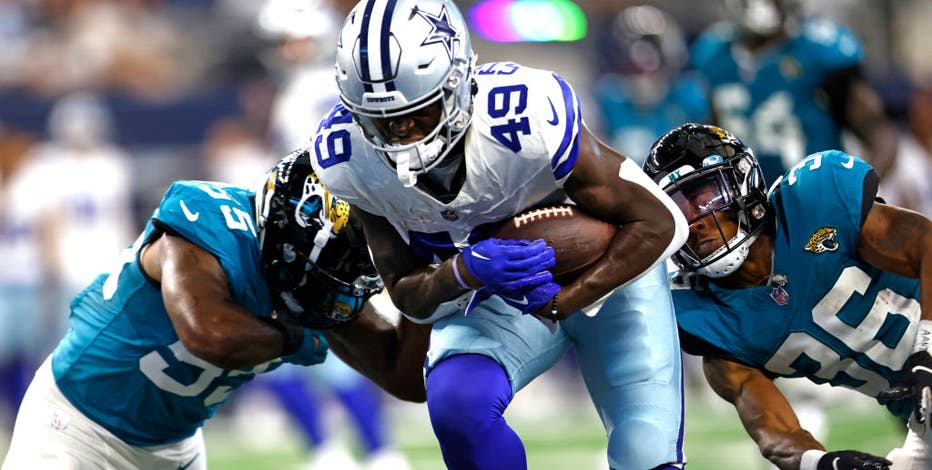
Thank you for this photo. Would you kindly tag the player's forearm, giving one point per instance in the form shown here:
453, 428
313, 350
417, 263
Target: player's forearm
774, 427
233, 339
392, 357
638, 246
419, 293
785, 450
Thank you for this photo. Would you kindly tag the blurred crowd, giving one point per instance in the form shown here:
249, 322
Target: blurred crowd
104, 102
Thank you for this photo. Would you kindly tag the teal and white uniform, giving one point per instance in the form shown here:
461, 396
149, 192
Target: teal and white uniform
121, 390
778, 99
122, 340
520, 148
837, 319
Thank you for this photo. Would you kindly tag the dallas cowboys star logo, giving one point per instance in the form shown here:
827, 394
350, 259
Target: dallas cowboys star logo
441, 31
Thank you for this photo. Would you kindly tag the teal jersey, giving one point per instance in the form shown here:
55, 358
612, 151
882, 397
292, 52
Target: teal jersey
632, 128
836, 319
121, 363
775, 99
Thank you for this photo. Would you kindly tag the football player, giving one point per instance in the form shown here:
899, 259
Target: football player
789, 84
645, 91
813, 279
433, 151
223, 284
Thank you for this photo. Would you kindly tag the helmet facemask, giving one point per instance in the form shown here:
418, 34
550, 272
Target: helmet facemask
416, 158
313, 254
712, 196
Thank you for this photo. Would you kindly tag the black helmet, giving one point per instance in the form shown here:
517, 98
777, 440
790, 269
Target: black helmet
313, 254
695, 156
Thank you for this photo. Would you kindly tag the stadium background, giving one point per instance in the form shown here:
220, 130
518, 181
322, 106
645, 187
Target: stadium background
188, 82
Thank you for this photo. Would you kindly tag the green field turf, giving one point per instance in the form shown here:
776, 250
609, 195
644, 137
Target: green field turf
714, 440
559, 433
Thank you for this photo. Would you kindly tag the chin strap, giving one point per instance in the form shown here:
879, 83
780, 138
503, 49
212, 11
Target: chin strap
407, 177
423, 153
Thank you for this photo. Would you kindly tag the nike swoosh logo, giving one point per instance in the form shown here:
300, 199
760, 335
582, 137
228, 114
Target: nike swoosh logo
850, 163
182, 467
477, 255
556, 119
922, 369
191, 216
521, 301
835, 463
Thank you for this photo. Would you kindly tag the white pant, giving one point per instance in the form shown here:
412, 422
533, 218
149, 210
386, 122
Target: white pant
915, 453
51, 433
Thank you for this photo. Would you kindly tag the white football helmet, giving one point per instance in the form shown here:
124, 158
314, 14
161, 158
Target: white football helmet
398, 56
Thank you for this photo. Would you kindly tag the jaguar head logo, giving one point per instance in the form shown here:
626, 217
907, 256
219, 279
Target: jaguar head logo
823, 240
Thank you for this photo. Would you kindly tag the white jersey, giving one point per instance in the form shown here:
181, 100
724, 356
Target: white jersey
521, 146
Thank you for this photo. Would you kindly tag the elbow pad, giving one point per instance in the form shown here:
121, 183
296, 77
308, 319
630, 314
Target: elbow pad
630, 171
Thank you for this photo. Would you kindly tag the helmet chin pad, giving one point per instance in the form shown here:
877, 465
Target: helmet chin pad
729, 259
414, 158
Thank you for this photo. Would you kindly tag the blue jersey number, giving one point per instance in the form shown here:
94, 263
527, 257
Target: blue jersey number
504, 100
498, 68
337, 141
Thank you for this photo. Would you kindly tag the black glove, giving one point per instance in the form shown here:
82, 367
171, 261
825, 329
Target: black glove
852, 460
916, 382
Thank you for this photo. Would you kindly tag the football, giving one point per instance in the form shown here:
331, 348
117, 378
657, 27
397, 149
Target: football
578, 239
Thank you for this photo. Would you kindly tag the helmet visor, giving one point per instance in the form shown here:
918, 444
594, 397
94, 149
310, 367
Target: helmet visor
708, 201
700, 196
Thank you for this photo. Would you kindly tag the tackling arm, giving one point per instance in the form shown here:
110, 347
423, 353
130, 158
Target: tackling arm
613, 188
393, 357
197, 299
766, 415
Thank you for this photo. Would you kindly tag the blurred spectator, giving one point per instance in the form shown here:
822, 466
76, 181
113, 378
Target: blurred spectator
87, 181
646, 92
908, 184
302, 59
23, 271
108, 44
236, 155
789, 84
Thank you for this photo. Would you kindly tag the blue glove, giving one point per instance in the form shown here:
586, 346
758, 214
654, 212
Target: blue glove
531, 301
310, 352
528, 295
496, 263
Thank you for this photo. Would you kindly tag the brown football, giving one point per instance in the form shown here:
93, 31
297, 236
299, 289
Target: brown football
578, 239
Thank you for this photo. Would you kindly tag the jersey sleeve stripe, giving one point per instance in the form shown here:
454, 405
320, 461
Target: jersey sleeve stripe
563, 160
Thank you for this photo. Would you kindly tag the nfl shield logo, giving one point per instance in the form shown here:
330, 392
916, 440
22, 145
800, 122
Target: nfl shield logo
450, 215
779, 295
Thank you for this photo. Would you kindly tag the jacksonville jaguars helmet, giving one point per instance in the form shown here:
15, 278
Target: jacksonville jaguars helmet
313, 253
398, 56
696, 157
